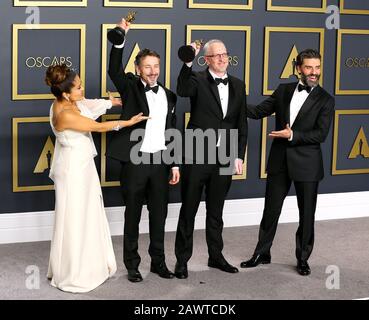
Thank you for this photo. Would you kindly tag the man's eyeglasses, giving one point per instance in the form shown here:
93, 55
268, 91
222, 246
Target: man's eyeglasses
219, 55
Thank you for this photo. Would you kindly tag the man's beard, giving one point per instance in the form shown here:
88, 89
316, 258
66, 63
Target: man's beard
307, 82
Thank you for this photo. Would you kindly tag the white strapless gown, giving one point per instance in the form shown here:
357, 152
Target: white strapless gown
81, 256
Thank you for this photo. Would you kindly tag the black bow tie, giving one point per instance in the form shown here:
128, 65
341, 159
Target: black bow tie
220, 80
154, 88
302, 87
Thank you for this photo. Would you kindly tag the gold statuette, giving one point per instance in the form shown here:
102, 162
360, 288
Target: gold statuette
131, 16
116, 36
199, 43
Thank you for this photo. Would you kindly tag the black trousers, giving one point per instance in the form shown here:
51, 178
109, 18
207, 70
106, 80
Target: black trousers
277, 188
140, 182
194, 178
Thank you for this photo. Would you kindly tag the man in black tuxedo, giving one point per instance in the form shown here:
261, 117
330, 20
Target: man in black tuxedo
143, 94
218, 101
303, 115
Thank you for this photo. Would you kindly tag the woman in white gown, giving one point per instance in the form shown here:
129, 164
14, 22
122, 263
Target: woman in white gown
81, 256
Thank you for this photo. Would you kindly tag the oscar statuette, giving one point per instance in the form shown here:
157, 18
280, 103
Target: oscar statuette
116, 35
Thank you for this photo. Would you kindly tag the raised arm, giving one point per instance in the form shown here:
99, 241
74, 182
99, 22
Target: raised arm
186, 82
116, 71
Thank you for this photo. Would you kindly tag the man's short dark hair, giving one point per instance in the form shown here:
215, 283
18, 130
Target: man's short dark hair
144, 53
307, 54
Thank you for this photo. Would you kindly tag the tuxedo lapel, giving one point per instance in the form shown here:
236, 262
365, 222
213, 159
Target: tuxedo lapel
214, 89
171, 102
287, 102
231, 96
142, 97
309, 102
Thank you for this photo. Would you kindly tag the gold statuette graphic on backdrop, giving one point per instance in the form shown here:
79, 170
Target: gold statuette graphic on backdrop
360, 147
45, 158
290, 66
116, 36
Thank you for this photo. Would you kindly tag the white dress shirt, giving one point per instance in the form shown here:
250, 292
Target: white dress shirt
154, 139
297, 101
223, 93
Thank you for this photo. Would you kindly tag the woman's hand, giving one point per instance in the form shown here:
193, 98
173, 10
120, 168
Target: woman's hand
136, 119
116, 102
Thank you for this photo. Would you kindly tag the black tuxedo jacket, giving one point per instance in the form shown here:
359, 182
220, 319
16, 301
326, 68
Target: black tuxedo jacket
206, 109
134, 101
303, 154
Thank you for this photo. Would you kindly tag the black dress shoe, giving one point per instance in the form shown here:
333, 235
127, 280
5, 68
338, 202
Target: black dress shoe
222, 265
162, 270
303, 268
256, 260
181, 271
134, 275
